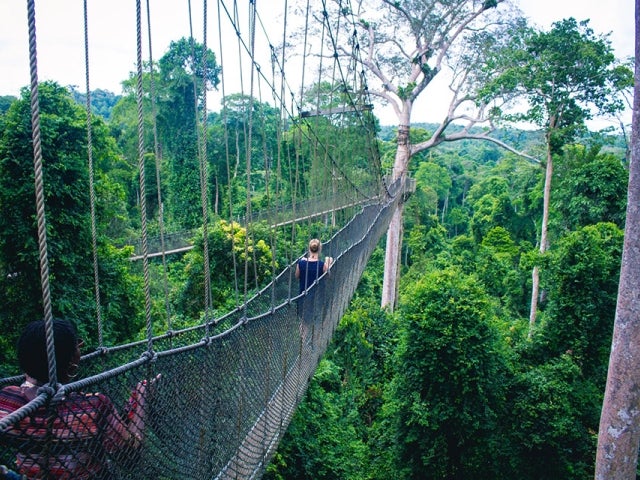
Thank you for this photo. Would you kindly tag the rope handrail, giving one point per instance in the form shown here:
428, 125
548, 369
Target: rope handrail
180, 241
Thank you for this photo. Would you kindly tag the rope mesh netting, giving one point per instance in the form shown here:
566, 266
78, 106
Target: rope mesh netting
217, 406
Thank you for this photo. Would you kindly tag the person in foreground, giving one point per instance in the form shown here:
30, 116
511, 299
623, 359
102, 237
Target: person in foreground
79, 429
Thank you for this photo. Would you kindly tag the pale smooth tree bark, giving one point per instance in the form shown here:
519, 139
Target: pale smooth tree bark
544, 242
394, 233
619, 433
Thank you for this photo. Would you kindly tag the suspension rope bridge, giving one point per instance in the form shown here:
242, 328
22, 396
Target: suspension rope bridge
225, 389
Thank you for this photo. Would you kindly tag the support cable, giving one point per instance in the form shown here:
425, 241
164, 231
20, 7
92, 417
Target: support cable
158, 163
201, 149
249, 147
92, 190
143, 188
39, 185
230, 178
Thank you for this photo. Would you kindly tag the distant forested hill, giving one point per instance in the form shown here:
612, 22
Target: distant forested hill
519, 139
102, 101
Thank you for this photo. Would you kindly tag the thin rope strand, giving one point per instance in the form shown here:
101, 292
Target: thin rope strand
158, 158
143, 188
249, 147
200, 139
92, 190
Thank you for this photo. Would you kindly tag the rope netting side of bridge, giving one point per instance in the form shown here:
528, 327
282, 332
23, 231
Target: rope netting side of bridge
221, 403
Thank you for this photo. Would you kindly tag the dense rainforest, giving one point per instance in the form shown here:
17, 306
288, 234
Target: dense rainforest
454, 383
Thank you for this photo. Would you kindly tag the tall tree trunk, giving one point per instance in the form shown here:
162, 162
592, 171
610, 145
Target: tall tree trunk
619, 435
544, 242
394, 234
392, 260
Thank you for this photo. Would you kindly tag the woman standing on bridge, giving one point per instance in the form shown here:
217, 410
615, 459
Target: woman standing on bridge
308, 269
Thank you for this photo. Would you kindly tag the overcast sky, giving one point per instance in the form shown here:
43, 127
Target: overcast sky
112, 39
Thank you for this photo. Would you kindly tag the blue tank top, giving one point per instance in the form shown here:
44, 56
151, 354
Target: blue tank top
309, 272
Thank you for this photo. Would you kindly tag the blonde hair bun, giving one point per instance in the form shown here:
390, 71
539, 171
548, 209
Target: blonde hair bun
314, 245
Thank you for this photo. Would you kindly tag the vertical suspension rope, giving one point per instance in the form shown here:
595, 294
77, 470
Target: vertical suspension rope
249, 146
333, 80
298, 140
204, 169
92, 191
227, 157
143, 189
201, 151
272, 206
280, 130
236, 18
292, 254
316, 140
204, 194
156, 150
39, 185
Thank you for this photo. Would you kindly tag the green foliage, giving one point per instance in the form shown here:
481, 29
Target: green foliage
326, 166
370, 285
330, 431
124, 129
463, 250
541, 68
525, 189
427, 240
326, 445
497, 267
187, 62
243, 120
68, 222
493, 185
363, 346
505, 196
186, 70
591, 188
405, 92
433, 176
122, 298
232, 252
457, 220
102, 101
449, 384
490, 212
553, 414
63, 128
582, 279
5, 103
